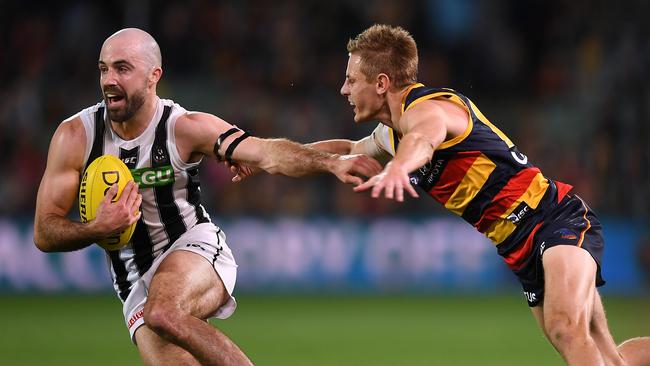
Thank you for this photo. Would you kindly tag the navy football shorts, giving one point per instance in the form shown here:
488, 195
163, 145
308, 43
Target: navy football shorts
571, 222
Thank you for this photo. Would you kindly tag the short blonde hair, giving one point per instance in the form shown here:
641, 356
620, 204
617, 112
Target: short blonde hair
389, 50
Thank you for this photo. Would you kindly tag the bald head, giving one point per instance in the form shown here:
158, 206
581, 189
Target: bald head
129, 70
137, 43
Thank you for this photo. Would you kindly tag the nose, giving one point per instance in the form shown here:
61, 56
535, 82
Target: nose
345, 89
108, 78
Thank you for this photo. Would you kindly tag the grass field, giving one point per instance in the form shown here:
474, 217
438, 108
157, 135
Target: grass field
308, 331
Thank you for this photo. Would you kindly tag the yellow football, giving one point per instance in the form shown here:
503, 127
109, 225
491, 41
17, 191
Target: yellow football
99, 176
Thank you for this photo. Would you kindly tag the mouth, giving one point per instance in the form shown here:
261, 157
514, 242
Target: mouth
113, 99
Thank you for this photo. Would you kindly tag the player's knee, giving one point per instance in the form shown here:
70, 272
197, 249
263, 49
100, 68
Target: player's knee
562, 329
635, 351
163, 320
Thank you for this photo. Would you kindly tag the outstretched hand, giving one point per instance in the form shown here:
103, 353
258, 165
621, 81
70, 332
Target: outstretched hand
393, 181
348, 168
241, 171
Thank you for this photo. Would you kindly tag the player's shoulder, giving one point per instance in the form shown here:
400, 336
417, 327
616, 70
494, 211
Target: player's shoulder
178, 114
71, 128
77, 121
68, 143
184, 119
72, 132
193, 119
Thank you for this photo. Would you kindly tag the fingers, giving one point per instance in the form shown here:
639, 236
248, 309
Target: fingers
398, 193
412, 191
374, 166
130, 200
135, 218
135, 212
129, 194
366, 166
376, 191
363, 187
391, 189
110, 194
351, 179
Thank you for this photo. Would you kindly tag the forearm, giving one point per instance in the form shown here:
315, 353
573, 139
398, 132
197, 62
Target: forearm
414, 151
54, 233
338, 146
285, 157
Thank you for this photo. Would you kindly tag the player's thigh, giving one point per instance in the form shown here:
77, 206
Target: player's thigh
188, 281
569, 282
155, 351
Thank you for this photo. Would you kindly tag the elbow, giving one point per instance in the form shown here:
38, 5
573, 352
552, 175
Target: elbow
41, 242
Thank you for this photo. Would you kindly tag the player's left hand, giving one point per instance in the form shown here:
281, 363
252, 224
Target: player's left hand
393, 181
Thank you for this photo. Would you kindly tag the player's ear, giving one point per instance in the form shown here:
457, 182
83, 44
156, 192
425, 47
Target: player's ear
155, 75
383, 83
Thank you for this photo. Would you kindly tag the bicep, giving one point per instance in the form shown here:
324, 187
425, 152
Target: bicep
198, 132
57, 192
427, 122
250, 150
60, 183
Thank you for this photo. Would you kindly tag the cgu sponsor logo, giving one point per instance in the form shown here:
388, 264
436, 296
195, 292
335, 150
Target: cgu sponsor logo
153, 177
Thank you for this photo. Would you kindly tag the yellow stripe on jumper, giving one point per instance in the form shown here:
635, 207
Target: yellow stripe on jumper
502, 228
469, 187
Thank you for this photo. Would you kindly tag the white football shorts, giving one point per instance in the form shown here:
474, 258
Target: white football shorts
209, 242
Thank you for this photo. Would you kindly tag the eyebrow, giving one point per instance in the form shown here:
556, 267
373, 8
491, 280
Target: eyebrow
118, 63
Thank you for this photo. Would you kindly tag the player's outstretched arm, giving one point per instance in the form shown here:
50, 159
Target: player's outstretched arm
214, 137
53, 231
338, 146
424, 129
365, 146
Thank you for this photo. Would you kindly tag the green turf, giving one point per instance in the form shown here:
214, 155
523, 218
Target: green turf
88, 330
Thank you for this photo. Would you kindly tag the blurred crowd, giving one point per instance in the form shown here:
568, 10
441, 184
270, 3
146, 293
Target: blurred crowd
566, 80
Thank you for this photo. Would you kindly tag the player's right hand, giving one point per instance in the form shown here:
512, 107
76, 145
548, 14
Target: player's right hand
241, 171
348, 168
393, 181
114, 216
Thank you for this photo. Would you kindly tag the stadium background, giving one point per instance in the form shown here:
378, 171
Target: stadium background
328, 277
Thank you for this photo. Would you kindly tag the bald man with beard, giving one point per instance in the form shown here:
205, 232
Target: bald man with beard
177, 271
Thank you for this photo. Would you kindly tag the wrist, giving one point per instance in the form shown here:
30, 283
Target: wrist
95, 230
330, 162
395, 165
